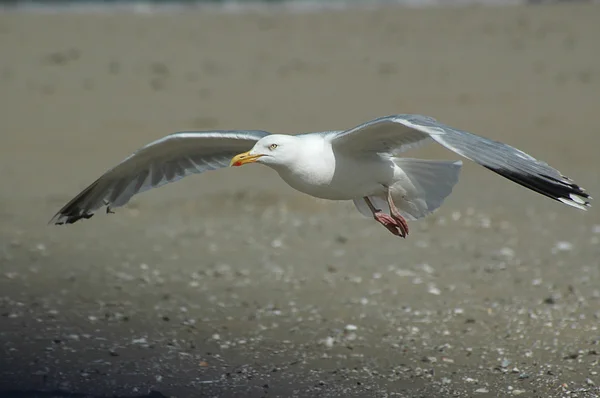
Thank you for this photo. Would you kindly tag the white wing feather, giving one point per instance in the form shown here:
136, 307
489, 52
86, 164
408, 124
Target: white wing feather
394, 134
163, 161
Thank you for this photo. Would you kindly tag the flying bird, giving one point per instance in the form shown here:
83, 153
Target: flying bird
361, 164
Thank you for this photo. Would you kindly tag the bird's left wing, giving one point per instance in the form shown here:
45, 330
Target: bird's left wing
394, 134
166, 160
385, 135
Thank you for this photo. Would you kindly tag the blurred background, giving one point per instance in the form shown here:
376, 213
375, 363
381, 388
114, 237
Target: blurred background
231, 284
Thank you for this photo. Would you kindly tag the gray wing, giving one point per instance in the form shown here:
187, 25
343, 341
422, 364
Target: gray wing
166, 160
395, 134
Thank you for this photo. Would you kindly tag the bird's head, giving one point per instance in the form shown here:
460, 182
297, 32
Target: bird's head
273, 150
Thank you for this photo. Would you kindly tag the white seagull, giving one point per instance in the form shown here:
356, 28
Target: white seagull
360, 164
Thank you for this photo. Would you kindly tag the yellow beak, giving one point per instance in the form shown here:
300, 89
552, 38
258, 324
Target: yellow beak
244, 158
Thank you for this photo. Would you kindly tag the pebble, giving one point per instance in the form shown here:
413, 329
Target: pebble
124, 276
351, 328
328, 341
482, 390
404, 272
434, 290
485, 222
562, 246
427, 268
507, 252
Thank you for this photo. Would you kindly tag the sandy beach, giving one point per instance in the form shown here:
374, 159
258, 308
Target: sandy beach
231, 284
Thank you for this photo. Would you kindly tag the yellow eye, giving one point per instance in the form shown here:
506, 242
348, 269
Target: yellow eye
272, 146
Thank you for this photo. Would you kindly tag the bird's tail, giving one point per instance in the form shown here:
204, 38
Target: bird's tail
422, 187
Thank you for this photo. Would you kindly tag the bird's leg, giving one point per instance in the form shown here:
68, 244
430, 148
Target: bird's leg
403, 225
385, 219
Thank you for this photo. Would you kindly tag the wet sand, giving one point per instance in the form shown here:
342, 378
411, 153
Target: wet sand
231, 284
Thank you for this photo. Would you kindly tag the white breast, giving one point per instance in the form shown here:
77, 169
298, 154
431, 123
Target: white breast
320, 173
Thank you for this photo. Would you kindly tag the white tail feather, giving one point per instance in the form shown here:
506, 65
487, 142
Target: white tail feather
421, 188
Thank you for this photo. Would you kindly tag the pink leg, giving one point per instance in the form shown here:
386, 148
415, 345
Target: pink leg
396, 214
387, 221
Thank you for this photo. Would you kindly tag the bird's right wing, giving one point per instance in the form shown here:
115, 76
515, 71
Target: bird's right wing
166, 160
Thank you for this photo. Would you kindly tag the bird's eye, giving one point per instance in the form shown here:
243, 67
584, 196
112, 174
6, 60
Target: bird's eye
272, 146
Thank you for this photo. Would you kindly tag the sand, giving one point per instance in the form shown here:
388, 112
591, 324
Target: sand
231, 284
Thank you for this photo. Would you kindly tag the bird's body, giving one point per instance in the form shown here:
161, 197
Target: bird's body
321, 177
361, 164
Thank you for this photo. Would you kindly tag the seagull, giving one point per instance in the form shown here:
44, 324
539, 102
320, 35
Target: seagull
361, 164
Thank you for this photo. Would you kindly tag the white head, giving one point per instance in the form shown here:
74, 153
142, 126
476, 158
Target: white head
273, 150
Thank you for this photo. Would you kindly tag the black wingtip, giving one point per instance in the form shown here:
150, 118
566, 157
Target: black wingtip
563, 190
76, 209
70, 219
